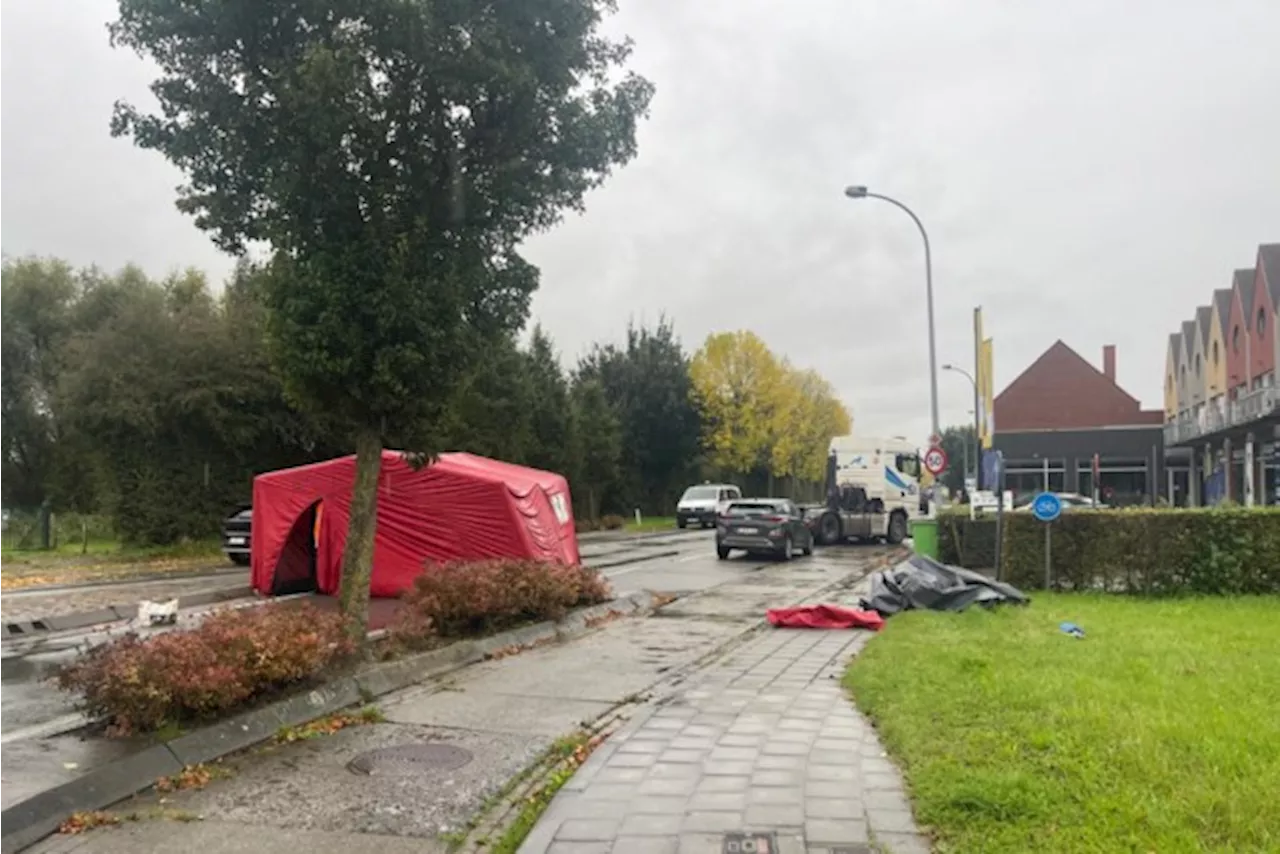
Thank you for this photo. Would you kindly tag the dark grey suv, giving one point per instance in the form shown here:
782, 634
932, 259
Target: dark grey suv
763, 526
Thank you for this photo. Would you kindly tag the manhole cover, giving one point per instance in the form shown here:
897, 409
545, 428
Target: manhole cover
410, 759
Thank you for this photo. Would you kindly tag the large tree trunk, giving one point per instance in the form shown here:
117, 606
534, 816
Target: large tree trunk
357, 557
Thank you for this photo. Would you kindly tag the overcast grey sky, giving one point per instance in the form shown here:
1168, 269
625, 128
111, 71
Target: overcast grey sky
1089, 171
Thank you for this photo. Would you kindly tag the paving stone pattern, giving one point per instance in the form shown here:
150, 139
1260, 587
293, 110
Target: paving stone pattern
765, 741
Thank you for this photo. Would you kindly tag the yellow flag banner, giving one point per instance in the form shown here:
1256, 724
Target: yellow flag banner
987, 392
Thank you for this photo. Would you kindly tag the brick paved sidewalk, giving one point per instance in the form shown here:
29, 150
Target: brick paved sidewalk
764, 742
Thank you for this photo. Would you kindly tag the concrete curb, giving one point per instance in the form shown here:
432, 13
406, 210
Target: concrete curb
616, 536
29, 821
641, 558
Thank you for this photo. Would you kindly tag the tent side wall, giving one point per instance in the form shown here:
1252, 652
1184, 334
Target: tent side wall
453, 509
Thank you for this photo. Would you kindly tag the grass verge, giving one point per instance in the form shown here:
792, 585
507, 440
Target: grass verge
507, 816
651, 523
564, 757
1157, 732
105, 561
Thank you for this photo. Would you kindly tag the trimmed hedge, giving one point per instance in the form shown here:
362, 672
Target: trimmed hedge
1142, 550
966, 542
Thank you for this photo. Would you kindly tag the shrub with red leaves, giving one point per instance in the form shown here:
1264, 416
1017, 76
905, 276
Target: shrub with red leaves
478, 597
226, 662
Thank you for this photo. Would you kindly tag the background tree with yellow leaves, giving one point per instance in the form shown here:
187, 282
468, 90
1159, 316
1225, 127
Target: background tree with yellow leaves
760, 415
737, 385
811, 417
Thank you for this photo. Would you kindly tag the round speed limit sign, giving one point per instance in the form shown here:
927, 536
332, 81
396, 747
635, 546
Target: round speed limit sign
935, 461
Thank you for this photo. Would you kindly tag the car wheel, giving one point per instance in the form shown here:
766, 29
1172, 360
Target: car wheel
788, 546
680, 522
829, 529
897, 529
722, 553
240, 560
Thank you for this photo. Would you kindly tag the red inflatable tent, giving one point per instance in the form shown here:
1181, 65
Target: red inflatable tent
460, 506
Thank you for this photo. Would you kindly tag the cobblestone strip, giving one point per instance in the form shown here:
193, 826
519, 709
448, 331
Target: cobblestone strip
765, 742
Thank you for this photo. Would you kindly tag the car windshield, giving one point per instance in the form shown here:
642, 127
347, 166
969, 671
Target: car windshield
700, 493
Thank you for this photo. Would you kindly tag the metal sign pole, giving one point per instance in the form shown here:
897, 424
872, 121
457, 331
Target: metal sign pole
999, 479
1047, 507
1048, 552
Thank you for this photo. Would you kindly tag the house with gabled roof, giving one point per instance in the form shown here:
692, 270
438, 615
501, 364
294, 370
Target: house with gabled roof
1262, 359
1200, 358
1233, 424
1242, 281
1187, 338
1215, 388
1062, 411
1269, 270
1172, 362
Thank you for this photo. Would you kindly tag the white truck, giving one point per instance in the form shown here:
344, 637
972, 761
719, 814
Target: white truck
873, 491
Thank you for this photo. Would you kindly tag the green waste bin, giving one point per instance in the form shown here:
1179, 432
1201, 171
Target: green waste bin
924, 532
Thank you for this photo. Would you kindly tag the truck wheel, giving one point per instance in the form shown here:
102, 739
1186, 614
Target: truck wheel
897, 529
829, 529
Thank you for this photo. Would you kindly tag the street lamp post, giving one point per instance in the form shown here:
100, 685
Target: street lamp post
860, 192
977, 439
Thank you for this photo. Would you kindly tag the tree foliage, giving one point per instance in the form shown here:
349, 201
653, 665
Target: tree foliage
154, 402
392, 154
958, 442
36, 320
760, 413
810, 417
647, 384
739, 386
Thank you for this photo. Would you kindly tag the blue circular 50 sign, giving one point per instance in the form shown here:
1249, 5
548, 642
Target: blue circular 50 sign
1046, 507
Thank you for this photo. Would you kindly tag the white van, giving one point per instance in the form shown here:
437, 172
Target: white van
700, 504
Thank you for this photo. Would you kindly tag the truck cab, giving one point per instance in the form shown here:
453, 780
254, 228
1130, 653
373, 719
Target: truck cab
873, 491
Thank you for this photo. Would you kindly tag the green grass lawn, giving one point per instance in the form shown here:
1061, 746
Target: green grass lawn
652, 523
1159, 732
113, 549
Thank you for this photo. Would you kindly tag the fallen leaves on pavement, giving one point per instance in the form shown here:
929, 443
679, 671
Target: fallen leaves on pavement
81, 822
329, 724
192, 777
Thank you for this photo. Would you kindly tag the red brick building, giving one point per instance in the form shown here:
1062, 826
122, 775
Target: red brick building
1063, 410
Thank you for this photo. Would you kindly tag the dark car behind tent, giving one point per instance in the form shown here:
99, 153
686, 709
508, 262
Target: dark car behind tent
458, 507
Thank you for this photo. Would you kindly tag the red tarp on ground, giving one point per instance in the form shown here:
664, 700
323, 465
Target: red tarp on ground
461, 506
824, 617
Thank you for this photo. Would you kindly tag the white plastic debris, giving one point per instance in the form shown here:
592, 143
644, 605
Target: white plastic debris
157, 613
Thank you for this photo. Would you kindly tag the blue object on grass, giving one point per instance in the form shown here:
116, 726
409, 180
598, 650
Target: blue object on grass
1072, 629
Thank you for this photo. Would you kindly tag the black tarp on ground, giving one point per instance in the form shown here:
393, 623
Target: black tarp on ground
921, 582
